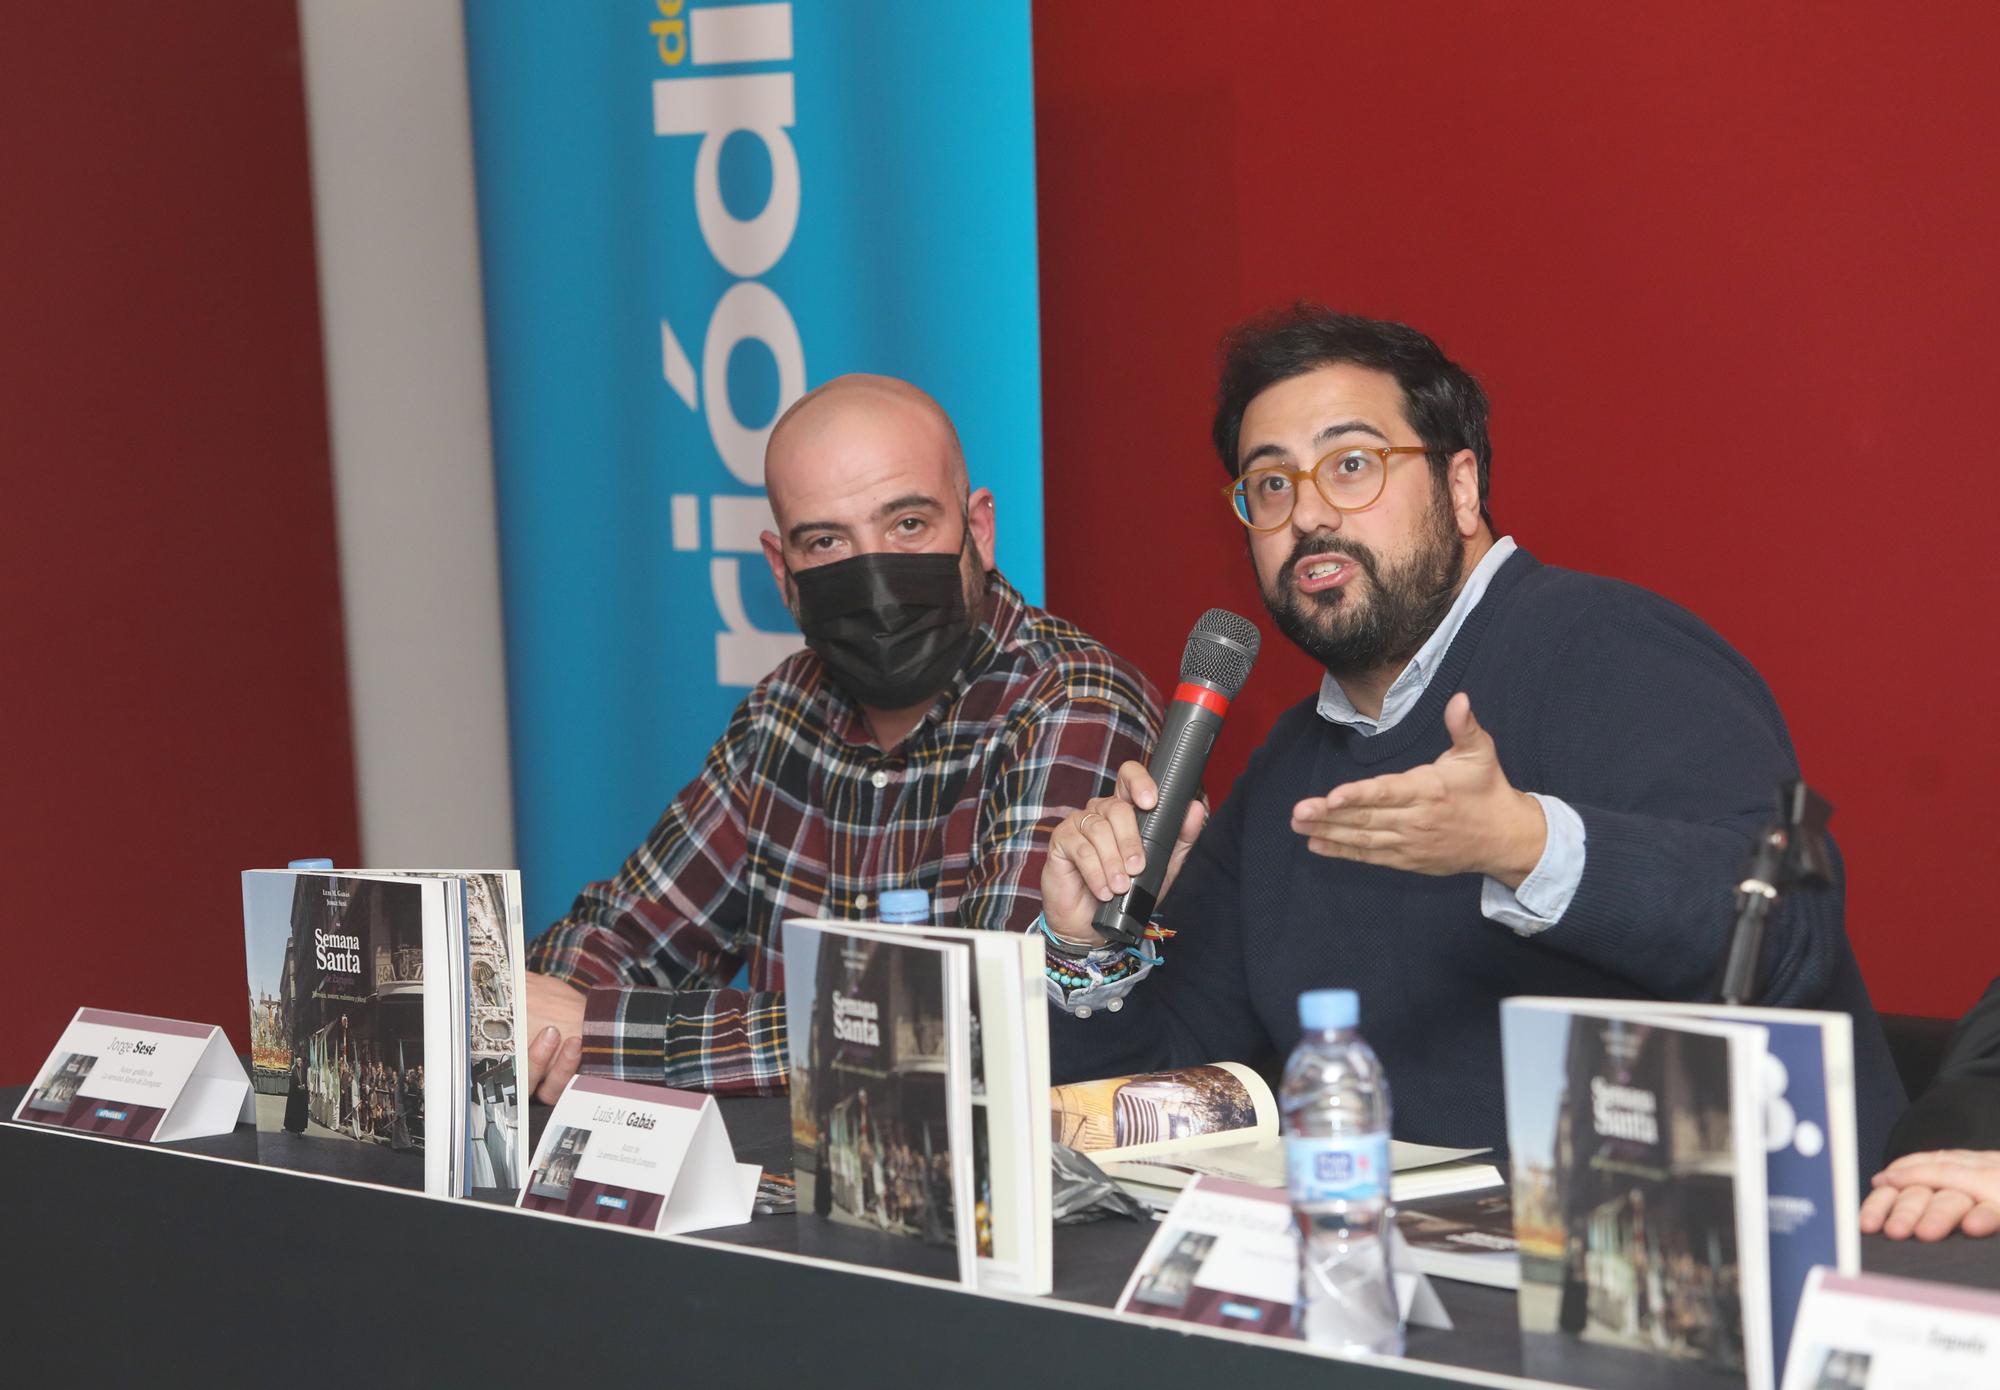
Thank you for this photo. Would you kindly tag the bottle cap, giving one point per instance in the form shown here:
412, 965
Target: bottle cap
906, 905
1322, 1010
310, 864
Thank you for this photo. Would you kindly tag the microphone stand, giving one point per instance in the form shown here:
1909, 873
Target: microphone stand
1792, 852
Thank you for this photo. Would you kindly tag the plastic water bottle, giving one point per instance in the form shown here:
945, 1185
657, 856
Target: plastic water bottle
1335, 1104
906, 907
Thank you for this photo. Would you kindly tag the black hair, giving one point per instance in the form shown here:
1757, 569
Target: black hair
1441, 400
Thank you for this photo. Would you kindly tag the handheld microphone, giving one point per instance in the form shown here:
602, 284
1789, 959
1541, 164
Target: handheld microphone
1214, 666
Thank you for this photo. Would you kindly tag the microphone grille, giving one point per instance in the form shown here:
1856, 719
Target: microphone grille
1220, 651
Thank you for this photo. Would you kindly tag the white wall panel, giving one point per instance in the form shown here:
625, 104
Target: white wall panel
412, 453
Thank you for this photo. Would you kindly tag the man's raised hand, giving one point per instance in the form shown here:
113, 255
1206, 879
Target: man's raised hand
1453, 816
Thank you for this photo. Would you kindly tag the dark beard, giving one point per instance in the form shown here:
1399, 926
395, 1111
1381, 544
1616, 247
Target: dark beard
977, 581
1397, 615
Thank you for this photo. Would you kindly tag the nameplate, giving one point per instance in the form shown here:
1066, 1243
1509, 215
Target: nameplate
132, 1076
1873, 1331
1227, 1255
648, 1157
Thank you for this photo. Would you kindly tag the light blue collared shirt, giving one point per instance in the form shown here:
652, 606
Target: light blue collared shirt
1544, 895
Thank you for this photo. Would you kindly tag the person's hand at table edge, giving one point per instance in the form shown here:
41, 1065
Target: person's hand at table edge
1930, 1195
555, 1035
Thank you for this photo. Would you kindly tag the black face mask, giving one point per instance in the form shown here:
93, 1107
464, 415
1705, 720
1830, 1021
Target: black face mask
891, 627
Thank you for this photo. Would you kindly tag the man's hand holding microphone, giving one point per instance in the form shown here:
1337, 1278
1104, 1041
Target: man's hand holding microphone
1096, 853
1110, 863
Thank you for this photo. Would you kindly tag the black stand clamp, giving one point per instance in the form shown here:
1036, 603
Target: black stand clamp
1791, 852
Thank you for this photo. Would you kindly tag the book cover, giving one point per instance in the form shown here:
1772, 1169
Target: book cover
1638, 1195
1812, 1178
489, 976
881, 1099
1013, 1199
342, 1027
1420, 1171
496, 1134
1468, 1236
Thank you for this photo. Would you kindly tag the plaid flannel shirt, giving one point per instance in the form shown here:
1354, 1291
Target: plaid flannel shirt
797, 813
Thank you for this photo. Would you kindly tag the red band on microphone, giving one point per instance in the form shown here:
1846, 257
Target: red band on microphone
1201, 695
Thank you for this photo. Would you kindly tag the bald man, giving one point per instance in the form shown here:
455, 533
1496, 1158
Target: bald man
931, 735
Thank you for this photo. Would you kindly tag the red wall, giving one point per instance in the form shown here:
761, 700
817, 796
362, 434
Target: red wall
174, 705
1729, 281
1726, 270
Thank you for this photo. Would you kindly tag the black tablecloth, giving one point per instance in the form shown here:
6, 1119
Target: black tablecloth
141, 1262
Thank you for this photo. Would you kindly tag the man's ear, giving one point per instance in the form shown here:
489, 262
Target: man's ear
774, 556
1462, 477
979, 518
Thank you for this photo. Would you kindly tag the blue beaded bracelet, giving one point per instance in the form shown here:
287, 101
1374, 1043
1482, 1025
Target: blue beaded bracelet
1078, 976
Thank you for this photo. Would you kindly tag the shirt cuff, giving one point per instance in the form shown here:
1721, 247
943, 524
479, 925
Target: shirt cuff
606, 1021
1544, 895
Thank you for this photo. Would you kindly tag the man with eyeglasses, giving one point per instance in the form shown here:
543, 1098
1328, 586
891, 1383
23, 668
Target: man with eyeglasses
1513, 779
932, 734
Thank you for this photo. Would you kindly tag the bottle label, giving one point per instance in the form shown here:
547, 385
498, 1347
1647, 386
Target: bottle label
1354, 1168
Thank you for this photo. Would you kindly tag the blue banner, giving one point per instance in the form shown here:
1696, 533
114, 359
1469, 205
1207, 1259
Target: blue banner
689, 215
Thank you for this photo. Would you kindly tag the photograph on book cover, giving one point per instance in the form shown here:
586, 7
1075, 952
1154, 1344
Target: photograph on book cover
493, 1139
1008, 1088
1476, 1223
337, 1025
1158, 1108
871, 1102
1624, 1201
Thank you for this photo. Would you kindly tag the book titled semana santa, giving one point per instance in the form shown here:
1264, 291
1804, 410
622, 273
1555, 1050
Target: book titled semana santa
1811, 1172
920, 1115
1637, 1149
881, 1085
386, 1026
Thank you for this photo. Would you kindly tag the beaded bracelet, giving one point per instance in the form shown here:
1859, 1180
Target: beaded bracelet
1077, 976
1154, 932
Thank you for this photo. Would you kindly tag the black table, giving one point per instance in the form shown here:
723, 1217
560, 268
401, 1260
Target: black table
132, 1263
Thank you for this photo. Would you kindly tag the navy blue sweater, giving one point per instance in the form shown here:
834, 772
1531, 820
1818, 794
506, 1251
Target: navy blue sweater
1667, 744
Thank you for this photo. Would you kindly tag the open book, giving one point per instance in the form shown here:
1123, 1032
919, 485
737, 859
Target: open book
1155, 1133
